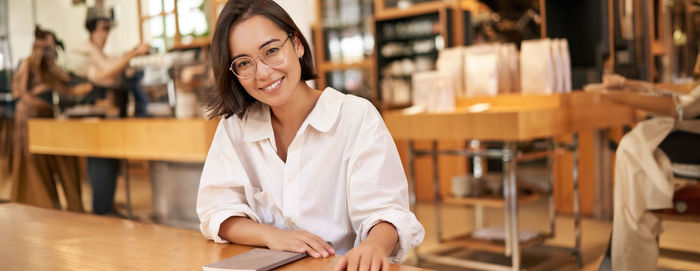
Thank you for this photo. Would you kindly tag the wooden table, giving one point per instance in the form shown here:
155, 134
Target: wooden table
155, 139
510, 119
181, 140
43, 239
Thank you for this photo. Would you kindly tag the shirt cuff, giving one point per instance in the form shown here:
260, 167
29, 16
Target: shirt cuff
409, 230
211, 230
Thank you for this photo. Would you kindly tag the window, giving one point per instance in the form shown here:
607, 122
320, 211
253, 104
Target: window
173, 24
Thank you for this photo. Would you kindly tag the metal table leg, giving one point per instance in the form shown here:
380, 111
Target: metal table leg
436, 189
550, 190
129, 214
512, 202
577, 212
506, 206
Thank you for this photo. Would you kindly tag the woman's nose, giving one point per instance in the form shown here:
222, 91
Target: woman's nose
263, 71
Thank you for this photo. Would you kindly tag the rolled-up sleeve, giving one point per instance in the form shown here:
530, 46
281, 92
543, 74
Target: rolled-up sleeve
223, 186
378, 189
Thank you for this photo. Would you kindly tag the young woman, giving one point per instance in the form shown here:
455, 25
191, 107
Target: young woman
35, 175
294, 168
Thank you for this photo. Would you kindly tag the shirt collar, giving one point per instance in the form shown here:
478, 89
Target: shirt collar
258, 125
326, 111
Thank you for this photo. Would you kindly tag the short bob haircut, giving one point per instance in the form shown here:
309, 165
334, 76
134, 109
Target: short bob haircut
229, 97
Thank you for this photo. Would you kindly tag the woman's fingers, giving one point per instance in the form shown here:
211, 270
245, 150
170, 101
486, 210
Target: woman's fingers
312, 252
323, 244
376, 263
316, 245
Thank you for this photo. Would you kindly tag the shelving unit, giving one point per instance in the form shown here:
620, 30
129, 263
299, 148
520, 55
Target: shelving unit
408, 40
344, 45
489, 201
510, 249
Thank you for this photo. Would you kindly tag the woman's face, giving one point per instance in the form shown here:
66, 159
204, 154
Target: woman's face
254, 38
45, 48
49, 47
99, 35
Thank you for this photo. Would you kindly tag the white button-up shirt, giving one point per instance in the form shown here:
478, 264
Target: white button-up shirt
342, 176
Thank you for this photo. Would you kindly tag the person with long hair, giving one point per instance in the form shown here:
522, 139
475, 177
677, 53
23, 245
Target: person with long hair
35, 175
291, 167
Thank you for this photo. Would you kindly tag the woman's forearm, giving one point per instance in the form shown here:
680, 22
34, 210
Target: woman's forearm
384, 235
243, 230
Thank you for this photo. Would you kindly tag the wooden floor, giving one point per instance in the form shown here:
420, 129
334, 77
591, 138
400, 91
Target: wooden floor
677, 237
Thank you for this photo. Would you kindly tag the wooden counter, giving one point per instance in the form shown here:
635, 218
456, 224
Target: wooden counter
512, 118
43, 239
182, 140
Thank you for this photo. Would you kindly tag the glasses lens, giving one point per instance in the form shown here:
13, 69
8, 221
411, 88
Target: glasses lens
272, 54
243, 67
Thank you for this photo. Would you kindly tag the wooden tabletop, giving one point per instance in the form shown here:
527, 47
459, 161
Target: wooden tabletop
43, 239
511, 117
183, 140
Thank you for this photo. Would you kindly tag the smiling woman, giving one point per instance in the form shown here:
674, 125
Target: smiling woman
291, 167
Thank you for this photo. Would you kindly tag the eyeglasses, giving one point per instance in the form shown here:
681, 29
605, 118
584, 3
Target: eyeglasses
272, 55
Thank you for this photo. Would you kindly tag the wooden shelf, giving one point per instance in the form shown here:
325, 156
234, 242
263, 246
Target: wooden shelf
495, 246
488, 201
417, 9
334, 66
534, 155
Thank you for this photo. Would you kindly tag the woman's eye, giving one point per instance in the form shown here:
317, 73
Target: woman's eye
242, 64
272, 51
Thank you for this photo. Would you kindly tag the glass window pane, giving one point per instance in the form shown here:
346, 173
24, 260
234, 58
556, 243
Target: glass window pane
152, 28
170, 25
154, 7
155, 26
192, 18
168, 5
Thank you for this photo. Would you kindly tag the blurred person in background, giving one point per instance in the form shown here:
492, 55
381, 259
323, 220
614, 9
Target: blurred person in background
110, 75
35, 175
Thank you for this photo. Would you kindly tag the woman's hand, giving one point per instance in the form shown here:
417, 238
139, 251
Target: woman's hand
141, 49
40, 88
372, 253
299, 241
365, 257
82, 89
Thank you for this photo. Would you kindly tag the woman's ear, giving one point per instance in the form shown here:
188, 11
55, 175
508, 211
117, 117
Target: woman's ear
298, 47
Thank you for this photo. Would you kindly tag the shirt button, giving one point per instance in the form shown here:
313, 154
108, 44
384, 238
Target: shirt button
290, 179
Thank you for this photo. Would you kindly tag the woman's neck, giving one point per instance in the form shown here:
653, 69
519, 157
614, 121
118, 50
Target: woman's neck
297, 108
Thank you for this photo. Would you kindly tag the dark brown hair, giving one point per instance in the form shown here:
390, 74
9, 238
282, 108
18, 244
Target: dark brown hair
48, 71
229, 97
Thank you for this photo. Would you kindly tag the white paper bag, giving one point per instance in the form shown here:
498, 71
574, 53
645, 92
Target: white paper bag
536, 67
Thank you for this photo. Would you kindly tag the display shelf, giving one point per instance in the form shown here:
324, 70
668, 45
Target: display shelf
489, 201
432, 54
326, 27
495, 246
413, 10
334, 66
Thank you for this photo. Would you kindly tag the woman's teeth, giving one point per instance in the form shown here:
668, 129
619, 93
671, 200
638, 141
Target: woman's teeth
274, 85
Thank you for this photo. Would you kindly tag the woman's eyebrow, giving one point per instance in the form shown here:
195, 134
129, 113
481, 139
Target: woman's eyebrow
260, 47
